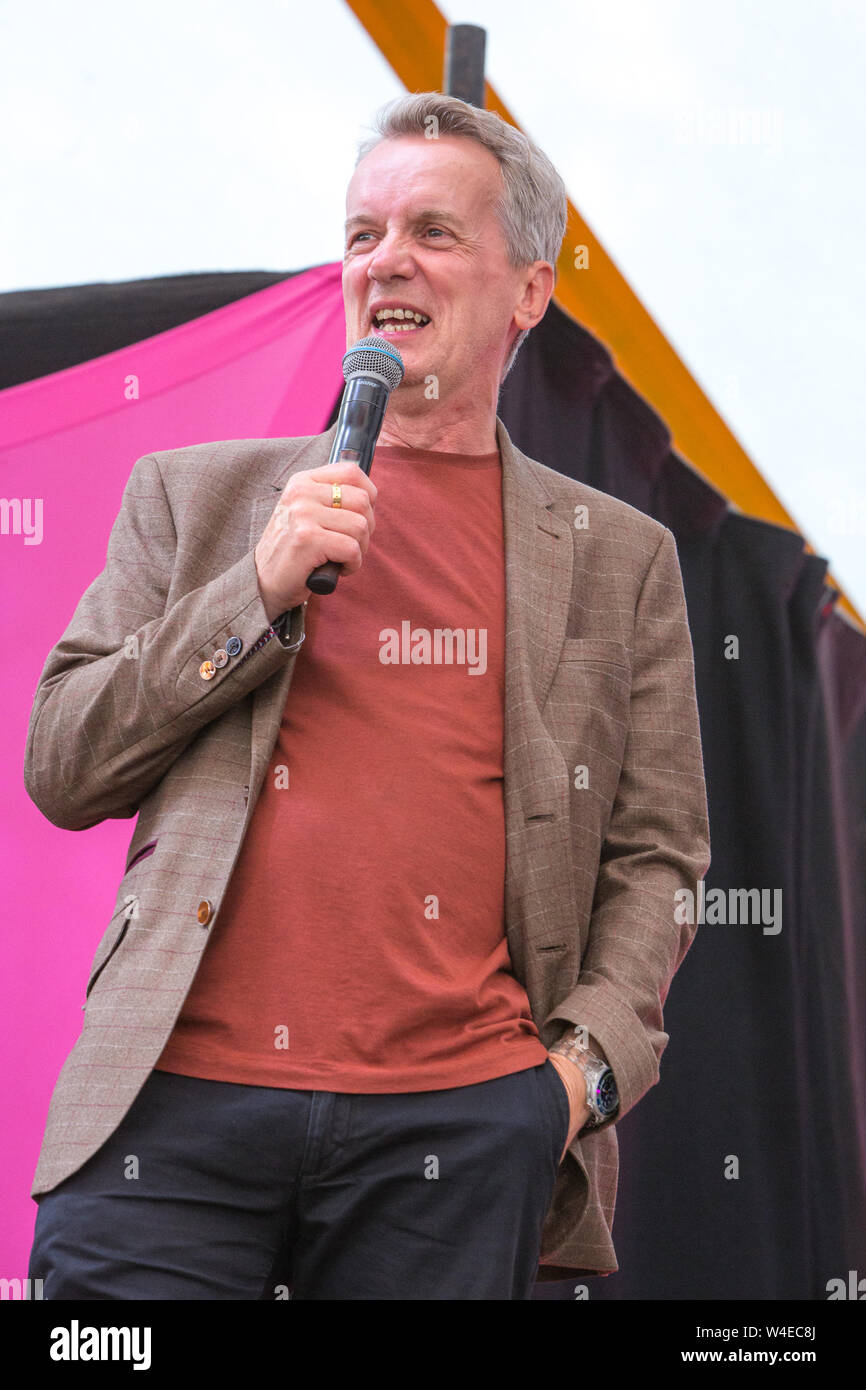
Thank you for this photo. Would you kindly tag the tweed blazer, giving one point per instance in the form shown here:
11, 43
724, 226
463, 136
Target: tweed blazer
605, 802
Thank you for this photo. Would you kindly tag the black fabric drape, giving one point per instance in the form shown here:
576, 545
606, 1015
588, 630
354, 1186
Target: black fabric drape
766, 1063
43, 331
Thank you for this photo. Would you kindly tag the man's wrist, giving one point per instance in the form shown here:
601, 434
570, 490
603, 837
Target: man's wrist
272, 607
585, 1064
573, 1079
579, 1112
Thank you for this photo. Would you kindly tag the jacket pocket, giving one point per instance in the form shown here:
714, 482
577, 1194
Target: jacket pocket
118, 925
103, 956
600, 649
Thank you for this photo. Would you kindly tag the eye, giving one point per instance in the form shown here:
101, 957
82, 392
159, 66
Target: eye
357, 235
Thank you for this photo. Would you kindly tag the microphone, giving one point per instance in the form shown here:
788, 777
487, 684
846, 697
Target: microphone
372, 368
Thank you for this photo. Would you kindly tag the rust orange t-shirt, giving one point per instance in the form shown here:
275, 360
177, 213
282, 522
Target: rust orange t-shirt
360, 945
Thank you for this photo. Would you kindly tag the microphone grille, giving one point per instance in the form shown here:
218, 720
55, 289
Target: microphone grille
370, 356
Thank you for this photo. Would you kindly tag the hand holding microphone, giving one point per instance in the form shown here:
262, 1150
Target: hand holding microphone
306, 530
309, 541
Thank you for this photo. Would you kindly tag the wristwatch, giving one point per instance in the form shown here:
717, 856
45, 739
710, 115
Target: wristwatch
602, 1095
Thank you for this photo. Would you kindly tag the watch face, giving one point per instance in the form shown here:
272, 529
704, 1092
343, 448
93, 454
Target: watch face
606, 1094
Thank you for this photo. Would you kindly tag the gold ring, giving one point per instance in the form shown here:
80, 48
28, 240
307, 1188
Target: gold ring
336, 495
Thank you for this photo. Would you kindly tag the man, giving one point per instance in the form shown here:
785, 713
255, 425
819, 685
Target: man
389, 956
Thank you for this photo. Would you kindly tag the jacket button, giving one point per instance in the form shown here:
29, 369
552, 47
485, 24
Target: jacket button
220, 657
207, 670
233, 646
205, 911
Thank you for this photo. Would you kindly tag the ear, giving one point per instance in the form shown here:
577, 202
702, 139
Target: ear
535, 290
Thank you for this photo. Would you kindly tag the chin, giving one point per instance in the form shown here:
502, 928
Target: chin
415, 376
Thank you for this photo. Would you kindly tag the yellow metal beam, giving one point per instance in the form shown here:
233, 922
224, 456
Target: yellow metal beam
411, 37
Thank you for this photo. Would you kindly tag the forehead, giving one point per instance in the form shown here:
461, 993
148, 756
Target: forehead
410, 170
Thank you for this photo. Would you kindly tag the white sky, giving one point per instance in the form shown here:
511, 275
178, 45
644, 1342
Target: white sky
174, 136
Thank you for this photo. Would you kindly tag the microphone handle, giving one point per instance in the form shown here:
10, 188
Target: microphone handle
361, 414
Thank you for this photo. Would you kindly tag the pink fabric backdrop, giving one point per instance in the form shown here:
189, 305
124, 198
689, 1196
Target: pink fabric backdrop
266, 366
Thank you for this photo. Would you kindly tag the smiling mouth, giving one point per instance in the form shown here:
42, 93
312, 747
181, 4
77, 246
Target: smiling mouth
391, 323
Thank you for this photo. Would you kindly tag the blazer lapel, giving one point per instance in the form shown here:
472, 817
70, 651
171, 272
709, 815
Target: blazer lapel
538, 582
538, 564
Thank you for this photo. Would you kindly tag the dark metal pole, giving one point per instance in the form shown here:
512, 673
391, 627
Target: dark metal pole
464, 63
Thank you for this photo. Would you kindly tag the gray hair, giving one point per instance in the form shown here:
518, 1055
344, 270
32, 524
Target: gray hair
533, 208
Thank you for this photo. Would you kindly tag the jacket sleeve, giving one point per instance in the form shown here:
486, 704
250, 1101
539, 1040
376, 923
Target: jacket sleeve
121, 694
657, 843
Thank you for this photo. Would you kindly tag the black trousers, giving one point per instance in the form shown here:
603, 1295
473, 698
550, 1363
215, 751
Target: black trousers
214, 1190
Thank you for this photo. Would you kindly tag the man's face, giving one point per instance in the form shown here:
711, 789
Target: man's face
422, 234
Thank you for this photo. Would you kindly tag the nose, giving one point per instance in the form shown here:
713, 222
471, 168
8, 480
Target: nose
392, 259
